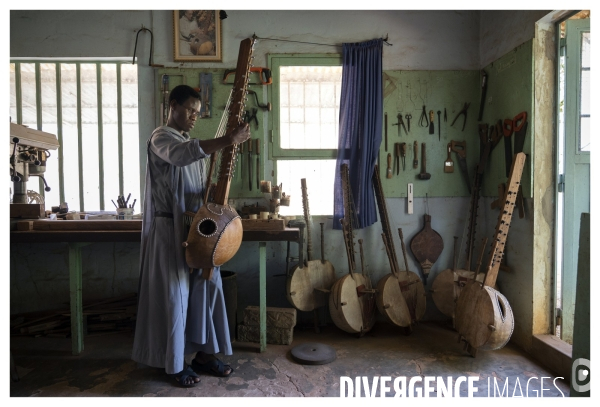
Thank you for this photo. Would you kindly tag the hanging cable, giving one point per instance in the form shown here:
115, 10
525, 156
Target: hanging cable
151, 46
385, 41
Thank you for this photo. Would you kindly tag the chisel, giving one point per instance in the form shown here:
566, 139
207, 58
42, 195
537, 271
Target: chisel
431, 129
416, 153
250, 164
257, 163
386, 143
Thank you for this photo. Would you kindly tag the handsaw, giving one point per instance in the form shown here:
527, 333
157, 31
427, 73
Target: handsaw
520, 129
460, 148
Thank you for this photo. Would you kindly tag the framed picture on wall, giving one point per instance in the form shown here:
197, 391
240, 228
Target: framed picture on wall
197, 36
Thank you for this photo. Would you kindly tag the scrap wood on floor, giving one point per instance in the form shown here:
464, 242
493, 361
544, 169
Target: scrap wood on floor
100, 316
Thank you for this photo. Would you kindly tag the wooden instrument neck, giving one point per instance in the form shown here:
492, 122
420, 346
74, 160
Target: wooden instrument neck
236, 113
504, 219
306, 209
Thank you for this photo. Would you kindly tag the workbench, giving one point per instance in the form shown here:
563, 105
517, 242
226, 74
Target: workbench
76, 239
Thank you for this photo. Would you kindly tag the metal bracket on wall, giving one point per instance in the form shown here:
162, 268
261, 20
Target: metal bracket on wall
164, 89
205, 95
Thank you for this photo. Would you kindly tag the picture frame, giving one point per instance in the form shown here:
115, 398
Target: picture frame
197, 36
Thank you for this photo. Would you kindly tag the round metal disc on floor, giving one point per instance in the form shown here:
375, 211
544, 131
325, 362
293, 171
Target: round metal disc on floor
313, 354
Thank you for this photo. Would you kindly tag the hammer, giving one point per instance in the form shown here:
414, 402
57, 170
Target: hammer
424, 174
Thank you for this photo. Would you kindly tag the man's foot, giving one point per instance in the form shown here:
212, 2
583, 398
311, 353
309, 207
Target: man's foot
206, 363
186, 378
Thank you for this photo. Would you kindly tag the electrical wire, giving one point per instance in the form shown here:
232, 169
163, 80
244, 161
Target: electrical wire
385, 41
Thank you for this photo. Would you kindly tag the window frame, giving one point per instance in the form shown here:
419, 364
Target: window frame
98, 62
275, 61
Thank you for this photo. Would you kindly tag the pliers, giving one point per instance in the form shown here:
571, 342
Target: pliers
400, 123
423, 123
463, 111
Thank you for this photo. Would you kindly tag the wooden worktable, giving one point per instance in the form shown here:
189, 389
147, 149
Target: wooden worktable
132, 233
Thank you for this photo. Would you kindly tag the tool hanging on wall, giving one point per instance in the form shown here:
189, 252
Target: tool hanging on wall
416, 154
408, 117
520, 129
439, 125
507, 129
397, 157
463, 112
264, 75
483, 93
460, 148
266, 107
400, 123
423, 122
205, 95
249, 164
449, 164
164, 106
385, 132
403, 155
445, 116
389, 166
241, 155
424, 174
249, 117
431, 128
258, 164
164, 87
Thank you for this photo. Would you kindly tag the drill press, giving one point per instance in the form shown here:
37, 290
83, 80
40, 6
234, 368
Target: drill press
29, 150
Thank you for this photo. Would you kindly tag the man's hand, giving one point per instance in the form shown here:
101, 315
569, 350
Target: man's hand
240, 134
237, 136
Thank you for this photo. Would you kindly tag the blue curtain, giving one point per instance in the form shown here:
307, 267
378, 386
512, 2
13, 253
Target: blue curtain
361, 107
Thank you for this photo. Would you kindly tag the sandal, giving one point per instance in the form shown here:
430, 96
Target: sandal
214, 367
182, 377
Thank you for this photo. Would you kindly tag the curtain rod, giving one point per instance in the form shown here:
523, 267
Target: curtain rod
385, 40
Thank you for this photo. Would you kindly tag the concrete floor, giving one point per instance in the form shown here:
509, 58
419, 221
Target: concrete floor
46, 367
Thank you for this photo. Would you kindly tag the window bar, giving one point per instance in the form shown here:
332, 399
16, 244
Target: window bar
100, 135
59, 135
19, 94
80, 138
120, 128
320, 112
38, 116
288, 119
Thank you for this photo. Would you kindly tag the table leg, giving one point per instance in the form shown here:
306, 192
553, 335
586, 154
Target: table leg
262, 251
75, 282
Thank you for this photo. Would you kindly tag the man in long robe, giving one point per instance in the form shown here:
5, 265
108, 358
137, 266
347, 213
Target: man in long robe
179, 312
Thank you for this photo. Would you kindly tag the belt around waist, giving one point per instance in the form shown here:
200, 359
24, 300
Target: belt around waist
161, 214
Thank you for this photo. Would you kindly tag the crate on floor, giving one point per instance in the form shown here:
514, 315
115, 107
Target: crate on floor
280, 325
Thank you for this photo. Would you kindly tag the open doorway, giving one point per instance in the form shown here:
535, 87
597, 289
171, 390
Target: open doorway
573, 161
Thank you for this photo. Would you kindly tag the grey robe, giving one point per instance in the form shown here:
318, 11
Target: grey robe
178, 312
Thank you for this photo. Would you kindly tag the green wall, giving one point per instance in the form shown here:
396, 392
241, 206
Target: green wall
510, 91
206, 128
406, 92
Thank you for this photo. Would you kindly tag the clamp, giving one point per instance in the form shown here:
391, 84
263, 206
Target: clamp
248, 117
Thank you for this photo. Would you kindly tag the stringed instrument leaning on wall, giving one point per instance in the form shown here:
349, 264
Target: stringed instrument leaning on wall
352, 298
449, 283
307, 285
484, 318
400, 295
216, 230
